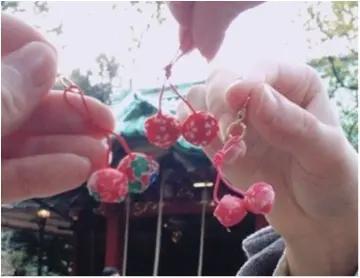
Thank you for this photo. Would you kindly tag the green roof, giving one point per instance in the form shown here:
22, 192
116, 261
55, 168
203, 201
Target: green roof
132, 109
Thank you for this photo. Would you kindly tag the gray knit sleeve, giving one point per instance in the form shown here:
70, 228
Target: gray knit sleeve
264, 250
266, 255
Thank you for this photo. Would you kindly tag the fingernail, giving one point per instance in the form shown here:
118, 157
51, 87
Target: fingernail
236, 94
33, 66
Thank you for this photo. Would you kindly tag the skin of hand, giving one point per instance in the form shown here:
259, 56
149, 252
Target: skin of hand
295, 143
46, 147
203, 24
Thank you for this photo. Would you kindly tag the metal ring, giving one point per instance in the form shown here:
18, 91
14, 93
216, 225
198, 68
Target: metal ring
241, 115
233, 125
66, 81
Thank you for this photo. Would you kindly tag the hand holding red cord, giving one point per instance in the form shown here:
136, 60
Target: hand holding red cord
47, 148
295, 143
203, 24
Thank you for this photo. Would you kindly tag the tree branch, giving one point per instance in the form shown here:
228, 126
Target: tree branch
335, 72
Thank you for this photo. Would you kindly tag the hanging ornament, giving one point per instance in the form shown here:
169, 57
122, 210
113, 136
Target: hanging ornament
135, 172
200, 128
230, 210
108, 185
260, 198
162, 130
140, 169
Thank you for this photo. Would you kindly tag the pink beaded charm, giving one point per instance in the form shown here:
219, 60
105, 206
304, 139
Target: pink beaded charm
230, 210
260, 198
108, 185
140, 169
162, 130
200, 128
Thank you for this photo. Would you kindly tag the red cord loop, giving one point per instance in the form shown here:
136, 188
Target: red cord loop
71, 87
168, 72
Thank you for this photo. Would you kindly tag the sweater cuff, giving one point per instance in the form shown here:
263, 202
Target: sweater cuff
282, 268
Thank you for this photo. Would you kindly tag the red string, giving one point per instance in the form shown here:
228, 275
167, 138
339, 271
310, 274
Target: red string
216, 189
161, 96
218, 161
168, 73
73, 88
182, 98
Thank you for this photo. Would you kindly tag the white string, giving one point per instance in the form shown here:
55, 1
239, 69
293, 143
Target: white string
126, 234
202, 231
158, 232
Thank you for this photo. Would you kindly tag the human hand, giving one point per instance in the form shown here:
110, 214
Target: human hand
295, 143
203, 24
46, 146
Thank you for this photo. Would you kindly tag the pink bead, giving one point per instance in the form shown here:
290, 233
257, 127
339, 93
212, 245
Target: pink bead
260, 198
162, 130
200, 128
108, 185
230, 211
218, 158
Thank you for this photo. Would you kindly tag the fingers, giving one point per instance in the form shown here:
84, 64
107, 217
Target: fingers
215, 100
26, 76
55, 116
186, 40
203, 24
277, 118
298, 82
83, 146
182, 12
15, 34
43, 175
284, 124
210, 21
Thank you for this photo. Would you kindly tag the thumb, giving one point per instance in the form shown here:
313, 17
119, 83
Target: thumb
289, 127
27, 74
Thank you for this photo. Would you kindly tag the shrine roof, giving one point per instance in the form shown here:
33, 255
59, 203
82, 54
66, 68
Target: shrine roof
130, 110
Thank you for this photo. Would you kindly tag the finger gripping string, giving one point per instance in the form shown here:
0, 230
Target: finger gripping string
71, 87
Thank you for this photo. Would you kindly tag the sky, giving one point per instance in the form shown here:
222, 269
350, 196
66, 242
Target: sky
274, 29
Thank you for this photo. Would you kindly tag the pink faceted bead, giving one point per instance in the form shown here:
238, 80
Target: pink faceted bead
230, 210
260, 198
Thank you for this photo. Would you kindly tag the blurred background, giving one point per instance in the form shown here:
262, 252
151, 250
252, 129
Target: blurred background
112, 49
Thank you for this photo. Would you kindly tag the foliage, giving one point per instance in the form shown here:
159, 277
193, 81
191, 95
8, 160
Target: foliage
341, 72
23, 251
38, 8
12, 6
101, 84
103, 89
